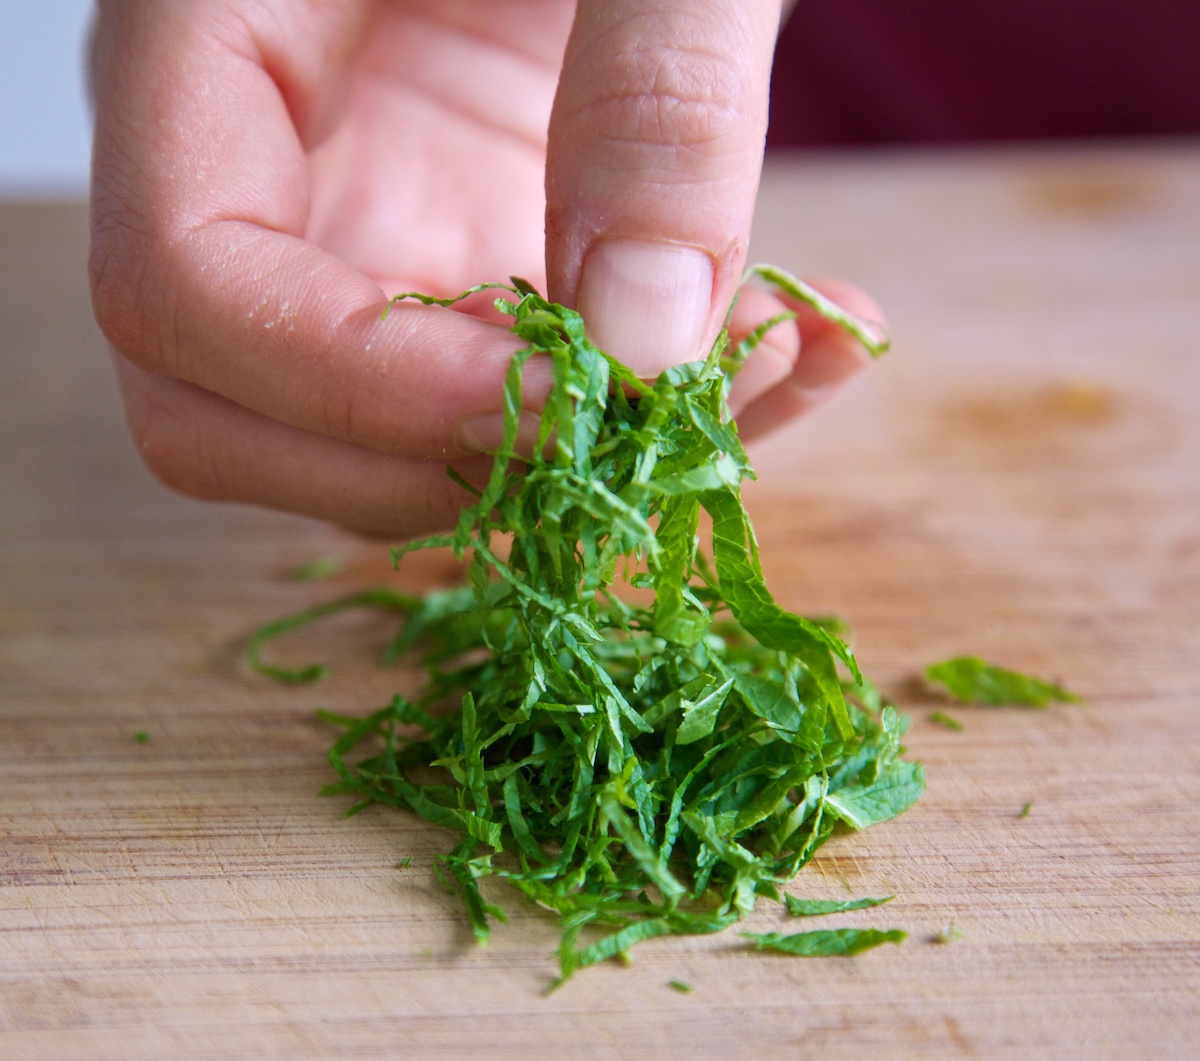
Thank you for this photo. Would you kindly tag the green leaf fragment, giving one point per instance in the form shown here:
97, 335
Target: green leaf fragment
318, 569
948, 721
891, 793
681, 987
871, 334
379, 597
641, 766
825, 943
700, 716
817, 907
971, 680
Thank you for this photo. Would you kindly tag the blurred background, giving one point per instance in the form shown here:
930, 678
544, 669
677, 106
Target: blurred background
44, 127
868, 72
955, 71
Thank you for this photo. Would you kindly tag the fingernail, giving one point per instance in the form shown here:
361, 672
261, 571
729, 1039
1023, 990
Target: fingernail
484, 434
647, 304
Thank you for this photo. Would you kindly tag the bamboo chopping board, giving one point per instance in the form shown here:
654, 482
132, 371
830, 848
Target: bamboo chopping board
1020, 479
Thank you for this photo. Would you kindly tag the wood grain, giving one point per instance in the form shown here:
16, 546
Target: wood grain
1020, 479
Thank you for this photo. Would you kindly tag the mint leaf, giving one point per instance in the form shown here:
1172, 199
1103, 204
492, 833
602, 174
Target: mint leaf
318, 569
818, 907
891, 793
825, 942
971, 680
947, 721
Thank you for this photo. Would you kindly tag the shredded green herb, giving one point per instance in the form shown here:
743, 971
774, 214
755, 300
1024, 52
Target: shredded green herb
318, 569
819, 907
642, 763
825, 942
141, 736
681, 987
1025, 810
971, 680
947, 721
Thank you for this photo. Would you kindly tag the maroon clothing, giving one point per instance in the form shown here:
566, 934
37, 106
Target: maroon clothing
872, 71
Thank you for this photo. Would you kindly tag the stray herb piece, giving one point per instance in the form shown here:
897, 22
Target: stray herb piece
141, 736
404, 863
681, 987
322, 567
380, 597
942, 719
641, 767
1026, 809
950, 934
818, 907
826, 942
971, 680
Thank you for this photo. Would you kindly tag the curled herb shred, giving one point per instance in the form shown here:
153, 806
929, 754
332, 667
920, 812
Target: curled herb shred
640, 768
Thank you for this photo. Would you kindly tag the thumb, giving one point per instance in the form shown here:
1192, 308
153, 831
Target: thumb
655, 151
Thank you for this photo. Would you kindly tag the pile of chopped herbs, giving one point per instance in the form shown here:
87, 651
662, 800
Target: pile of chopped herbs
625, 726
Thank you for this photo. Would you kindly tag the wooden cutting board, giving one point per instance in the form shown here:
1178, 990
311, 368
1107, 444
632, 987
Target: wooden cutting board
1020, 479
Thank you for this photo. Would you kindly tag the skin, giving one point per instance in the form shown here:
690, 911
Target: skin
267, 173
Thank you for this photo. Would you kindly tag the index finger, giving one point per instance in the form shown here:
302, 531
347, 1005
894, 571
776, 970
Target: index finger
199, 264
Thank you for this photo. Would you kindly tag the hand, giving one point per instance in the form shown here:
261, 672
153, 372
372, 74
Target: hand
266, 174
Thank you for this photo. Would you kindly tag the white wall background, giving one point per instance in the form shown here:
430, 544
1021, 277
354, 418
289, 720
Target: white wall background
45, 130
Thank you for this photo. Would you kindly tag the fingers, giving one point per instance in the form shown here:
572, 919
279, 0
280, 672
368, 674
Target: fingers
199, 264
655, 149
208, 447
772, 360
799, 365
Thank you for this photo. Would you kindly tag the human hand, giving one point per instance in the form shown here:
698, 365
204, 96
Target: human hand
265, 172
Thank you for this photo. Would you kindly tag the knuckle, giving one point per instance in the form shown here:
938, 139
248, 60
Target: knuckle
356, 407
349, 413
398, 504
171, 445
666, 95
114, 281
423, 503
437, 506
130, 275
342, 416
